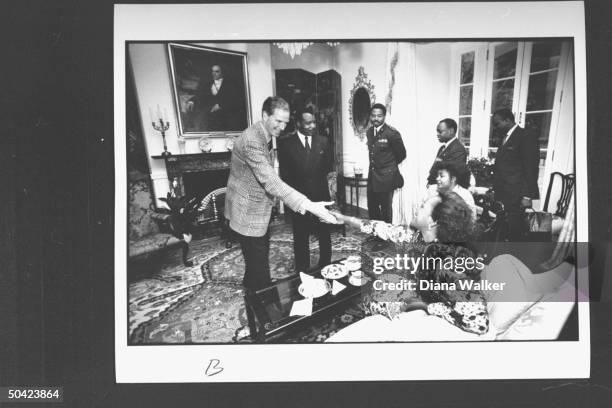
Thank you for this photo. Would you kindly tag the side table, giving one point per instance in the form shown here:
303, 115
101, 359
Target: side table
354, 183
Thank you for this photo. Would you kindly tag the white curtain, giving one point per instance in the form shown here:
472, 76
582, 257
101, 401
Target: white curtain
401, 102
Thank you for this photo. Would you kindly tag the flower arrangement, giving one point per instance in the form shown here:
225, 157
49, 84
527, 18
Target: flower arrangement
394, 233
183, 211
482, 169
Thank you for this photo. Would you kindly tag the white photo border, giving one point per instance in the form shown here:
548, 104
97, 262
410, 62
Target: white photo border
346, 362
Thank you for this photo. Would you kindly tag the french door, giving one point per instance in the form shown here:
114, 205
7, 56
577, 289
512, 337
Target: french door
526, 77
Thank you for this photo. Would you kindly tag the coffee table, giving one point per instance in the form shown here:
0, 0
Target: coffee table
268, 309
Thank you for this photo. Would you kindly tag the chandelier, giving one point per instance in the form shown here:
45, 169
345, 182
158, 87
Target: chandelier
296, 48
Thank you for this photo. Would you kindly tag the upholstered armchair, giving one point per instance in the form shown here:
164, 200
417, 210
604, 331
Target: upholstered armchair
164, 237
150, 230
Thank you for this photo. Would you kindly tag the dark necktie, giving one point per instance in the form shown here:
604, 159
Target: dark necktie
440, 150
307, 145
270, 145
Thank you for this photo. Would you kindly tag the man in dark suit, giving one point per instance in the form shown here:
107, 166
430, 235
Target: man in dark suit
387, 151
305, 161
452, 152
515, 173
216, 105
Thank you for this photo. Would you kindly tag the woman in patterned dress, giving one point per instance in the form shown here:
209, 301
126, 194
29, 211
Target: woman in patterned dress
442, 228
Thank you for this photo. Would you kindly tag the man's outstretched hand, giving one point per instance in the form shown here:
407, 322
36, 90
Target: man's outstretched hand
318, 209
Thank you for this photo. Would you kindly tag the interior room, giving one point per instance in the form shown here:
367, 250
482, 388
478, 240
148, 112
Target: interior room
185, 265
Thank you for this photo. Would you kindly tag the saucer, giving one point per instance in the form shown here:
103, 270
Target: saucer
334, 271
315, 289
358, 281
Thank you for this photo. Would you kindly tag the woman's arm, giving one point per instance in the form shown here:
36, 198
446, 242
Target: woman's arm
381, 229
352, 221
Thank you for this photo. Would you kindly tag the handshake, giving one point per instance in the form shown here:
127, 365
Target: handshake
328, 216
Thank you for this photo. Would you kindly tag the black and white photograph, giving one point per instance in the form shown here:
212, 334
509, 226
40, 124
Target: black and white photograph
387, 192
209, 297
307, 204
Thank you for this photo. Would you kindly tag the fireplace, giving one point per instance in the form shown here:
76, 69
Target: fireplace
201, 183
196, 175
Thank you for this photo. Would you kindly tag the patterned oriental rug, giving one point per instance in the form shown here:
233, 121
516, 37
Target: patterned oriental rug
188, 307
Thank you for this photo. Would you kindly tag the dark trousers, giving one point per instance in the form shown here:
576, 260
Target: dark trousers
515, 216
256, 253
380, 205
303, 226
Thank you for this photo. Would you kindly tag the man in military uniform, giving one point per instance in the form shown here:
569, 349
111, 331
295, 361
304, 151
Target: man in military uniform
387, 151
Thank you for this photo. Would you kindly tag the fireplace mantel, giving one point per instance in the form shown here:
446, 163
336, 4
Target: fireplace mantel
179, 164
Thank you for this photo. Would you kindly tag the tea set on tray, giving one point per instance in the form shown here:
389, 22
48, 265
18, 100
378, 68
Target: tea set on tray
314, 288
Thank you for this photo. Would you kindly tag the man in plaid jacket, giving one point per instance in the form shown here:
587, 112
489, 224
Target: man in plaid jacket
251, 188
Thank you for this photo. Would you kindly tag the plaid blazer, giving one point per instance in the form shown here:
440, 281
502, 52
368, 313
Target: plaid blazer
253, 184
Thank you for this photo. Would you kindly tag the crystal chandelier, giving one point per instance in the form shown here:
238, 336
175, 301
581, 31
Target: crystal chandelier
296, 48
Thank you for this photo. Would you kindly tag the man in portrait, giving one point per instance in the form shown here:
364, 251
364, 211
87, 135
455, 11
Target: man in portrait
217, 104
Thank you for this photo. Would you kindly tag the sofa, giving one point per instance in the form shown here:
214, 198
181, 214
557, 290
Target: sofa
531, 307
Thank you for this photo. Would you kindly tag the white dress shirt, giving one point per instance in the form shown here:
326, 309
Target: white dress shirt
449, 142
303, 139
214, 88
377, 129
510, 133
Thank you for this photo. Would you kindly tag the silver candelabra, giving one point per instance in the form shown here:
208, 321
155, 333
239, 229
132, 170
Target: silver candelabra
162, 127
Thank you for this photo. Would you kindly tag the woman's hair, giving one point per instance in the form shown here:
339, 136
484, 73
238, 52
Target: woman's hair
435, 270
454, 219
455, 229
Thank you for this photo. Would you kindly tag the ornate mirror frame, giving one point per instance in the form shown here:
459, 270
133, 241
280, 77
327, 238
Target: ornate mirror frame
361, 81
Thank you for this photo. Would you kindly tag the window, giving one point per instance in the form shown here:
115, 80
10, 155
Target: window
525, 77
466, 95
503, 83
542, 83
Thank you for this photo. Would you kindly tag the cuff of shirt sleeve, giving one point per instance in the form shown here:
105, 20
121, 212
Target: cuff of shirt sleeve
302, 207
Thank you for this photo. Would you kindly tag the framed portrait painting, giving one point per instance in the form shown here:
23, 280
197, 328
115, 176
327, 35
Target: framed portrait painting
211, 91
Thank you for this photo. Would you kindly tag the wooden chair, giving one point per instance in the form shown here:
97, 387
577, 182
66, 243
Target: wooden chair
568, 182
210, 214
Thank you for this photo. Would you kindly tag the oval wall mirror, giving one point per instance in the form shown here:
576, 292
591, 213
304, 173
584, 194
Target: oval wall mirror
361, 100
361, 108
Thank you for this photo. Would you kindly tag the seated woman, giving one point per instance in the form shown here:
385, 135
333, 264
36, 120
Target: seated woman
444, 224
